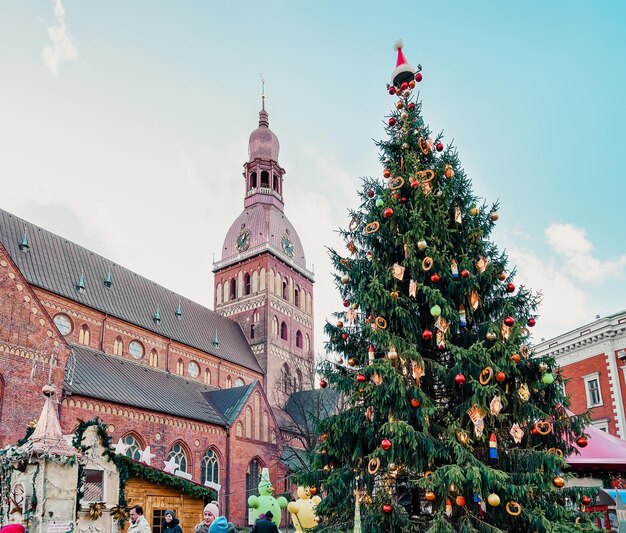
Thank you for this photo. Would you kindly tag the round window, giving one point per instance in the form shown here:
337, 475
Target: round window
193, 369
63, 323
135, 349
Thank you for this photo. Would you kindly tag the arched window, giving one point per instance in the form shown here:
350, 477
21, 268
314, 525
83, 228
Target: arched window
118, 346
255, 281
298, 339
180, 367
253, 183
275, 325
247, 288
178, 454
265, 179
134, 447
239, 382
154, 358
283, 331
286, 378
225, 291
285, 290
298, 379
207, 376
83, 335
255, 315
257, 416
262, 280
233, 289
266, 426
218, 293
251, 331
253, 475
210, 468
296, 296
307, 342
275, 183
248, 422
229, 382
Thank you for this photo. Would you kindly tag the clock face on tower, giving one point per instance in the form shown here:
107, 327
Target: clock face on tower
243, 240
287, 246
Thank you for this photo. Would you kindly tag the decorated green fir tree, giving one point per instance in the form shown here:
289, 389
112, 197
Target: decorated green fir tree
450, 424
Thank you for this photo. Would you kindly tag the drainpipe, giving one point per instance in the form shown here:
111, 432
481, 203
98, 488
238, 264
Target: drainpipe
167, 356
102, 332
227, 480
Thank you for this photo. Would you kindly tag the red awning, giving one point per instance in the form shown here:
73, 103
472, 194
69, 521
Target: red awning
602, 451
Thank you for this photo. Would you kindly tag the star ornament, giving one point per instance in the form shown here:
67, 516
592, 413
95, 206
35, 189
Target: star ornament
121, 448
170, 466
146, 457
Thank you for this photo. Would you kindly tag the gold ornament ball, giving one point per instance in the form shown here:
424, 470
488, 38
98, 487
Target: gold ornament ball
407, 93
491, 336
421, 245
399, 104
405, 146
473, 211
449, 172
404, 115
345, 279
392, 355
351, 361
340, 361
355, 305
494, 215
430, 496
493, 500
412, 84
558, 482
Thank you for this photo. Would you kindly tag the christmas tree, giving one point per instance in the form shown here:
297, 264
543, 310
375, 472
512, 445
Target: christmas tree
449, 423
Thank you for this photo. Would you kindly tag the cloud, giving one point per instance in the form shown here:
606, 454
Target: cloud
61, 47
572, 243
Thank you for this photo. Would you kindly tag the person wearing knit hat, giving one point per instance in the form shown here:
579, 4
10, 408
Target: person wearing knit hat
211, 512
265, 525
170, 523
220, 525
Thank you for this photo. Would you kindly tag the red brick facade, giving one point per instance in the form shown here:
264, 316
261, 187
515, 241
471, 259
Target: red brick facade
593, 358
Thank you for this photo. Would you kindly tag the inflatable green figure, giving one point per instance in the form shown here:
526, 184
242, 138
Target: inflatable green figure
265, 501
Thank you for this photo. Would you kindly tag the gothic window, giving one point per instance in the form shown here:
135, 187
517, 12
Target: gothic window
307, 342
285, 290
233, 289
298, 339
299, 379
253, 476
255, 281
154, 358
83, 335
178, 454
296, 296
283, 331
218, 293
286, 378
248, 422
265, 179
239, 382
229, 382
246, 284
253, 183
272, 280
118, 346
239, 429
278, 283
251, 331
210, 468
275, 184
275, 325
180, 367
266, 424
225, 291
134, 447
207, 376
257, 416
262, 280
255, 315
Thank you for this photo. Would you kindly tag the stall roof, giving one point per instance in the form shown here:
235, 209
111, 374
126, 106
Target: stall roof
603, 451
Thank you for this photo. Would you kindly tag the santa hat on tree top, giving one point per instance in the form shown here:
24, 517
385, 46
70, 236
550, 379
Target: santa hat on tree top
404, 71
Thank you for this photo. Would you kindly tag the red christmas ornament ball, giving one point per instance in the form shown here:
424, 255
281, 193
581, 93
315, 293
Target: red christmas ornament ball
404, 86
370, 194
435, 278
392, 90
387, 508
418, 77
510, 287
500, 376
388, 212
586, 500
411, 106
534, 431
392, 121
465, 273
460, 501
415, 402
509, 321
346, 303
427, 334
323, 383
531, 322
439, 147
361, 378
459, 379
385, 444
344, 336
581, 442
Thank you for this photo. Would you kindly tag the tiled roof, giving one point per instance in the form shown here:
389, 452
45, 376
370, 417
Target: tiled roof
98, 375
229, 402
56, 264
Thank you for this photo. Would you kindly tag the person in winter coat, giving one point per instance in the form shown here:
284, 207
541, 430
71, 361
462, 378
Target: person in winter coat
220, 525
138, 522
265, 525
170, 523
211, 512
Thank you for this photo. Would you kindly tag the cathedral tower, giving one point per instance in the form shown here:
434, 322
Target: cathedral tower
262, 281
